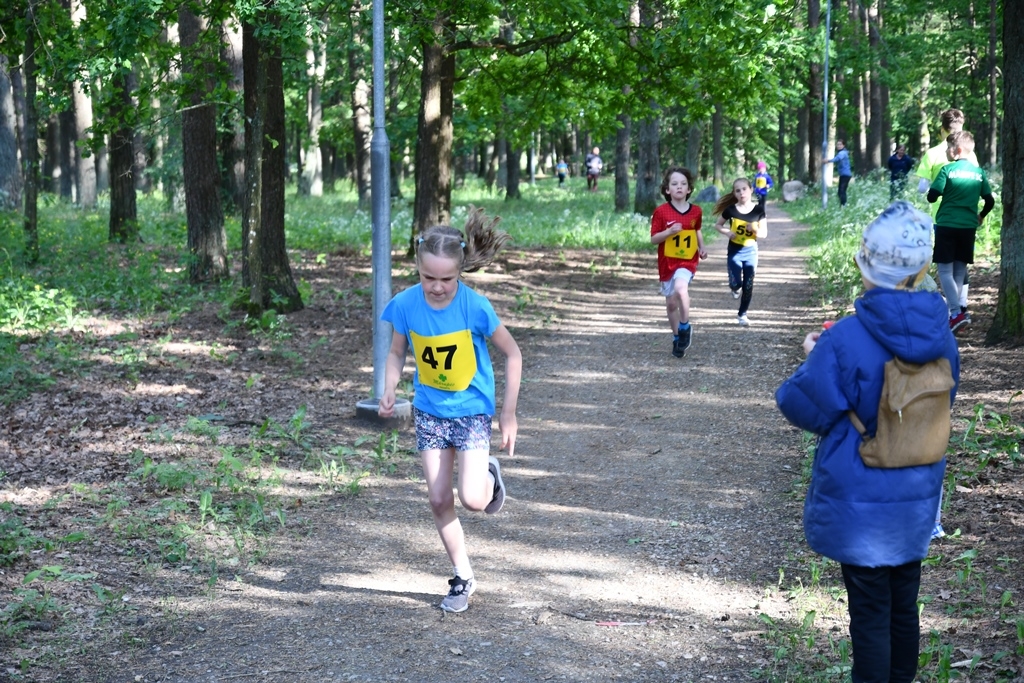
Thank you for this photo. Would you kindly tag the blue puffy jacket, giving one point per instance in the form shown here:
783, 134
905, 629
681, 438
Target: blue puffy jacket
856, 514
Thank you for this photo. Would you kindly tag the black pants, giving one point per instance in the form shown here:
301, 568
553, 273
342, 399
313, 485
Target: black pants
884, 625
844, 182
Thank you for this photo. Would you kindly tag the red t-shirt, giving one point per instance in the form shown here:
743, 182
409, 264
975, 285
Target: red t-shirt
682, 249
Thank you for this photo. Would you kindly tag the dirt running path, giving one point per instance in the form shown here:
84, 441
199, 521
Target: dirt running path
645, 489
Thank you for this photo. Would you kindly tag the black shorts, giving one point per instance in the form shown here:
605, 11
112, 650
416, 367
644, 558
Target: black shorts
953, 244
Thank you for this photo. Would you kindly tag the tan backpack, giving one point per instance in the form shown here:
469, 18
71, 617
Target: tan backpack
913, 416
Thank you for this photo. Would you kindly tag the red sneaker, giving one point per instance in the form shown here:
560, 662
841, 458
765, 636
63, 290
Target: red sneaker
957, 321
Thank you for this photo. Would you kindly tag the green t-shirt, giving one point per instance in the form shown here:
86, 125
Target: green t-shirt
931, 163
961, 184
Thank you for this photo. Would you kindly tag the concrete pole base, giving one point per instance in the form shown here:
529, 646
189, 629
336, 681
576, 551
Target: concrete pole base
367, 410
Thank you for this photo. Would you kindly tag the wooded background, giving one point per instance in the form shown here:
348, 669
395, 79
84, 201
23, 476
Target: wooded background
127, 96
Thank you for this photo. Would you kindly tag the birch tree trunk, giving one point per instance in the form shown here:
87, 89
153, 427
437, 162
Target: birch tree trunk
85, 160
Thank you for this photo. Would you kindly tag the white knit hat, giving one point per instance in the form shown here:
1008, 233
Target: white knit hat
897, 247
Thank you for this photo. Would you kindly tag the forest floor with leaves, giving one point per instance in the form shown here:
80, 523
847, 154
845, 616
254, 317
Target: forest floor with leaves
194, 500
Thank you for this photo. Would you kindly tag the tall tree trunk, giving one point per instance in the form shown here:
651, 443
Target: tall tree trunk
103, 167
124, 226
67, 154
648, 171
623, 137
141, 157
362, 127
232, 141
265, 269
10, 173
85, 159
694, 141
31, 140
397, 164
207, 241
513, 172
491, 172
815, 133
51, 160
993, 116
432, 205
876, 129
717, 152
501, 145
780, 166
312, 181
923, 135
1008, 323
802, 148
622, 162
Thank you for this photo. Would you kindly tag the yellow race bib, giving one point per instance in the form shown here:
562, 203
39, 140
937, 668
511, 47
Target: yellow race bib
743, 233
446, 361
682, 245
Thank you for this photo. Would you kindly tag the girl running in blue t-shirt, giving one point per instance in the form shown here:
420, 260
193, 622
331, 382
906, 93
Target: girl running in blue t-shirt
447, 324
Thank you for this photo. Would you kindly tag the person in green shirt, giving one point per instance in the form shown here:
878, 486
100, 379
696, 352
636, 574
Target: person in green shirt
960, 184
928, 169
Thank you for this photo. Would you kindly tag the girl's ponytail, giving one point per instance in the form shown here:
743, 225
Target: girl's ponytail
473, 251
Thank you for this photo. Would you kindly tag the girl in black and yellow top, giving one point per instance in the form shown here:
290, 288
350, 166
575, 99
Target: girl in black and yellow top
743, 222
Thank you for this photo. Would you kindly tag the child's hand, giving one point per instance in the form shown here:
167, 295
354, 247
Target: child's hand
703, 253
674, 228
809, 341
509, 427
386, 405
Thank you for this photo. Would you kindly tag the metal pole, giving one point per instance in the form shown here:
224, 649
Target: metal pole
824, 108
380, 190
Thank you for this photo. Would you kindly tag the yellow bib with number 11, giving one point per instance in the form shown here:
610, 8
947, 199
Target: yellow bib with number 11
682, 245
446, 361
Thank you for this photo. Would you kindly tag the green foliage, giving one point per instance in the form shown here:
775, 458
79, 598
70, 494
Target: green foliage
835, 235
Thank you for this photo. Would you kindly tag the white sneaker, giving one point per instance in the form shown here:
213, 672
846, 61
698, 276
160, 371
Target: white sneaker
735, 293
742, 320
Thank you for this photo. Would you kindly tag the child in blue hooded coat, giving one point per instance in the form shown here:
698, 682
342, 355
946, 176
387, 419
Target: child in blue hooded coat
875, 522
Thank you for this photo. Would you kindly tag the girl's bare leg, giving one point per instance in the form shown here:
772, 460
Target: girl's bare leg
438, 466
476, 487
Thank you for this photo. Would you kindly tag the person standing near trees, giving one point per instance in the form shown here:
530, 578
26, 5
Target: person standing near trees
961, 184
928, 169
447, 325
875, 521
675, 228
747, 222
562, 169
899, 166
762, 183
842, 162
594, 165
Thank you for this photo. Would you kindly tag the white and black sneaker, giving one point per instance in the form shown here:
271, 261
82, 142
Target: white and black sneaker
457, 599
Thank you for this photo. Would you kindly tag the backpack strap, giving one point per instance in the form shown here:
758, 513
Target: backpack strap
857, 424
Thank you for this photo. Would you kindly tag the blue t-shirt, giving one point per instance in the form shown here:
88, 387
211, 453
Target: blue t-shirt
440, 341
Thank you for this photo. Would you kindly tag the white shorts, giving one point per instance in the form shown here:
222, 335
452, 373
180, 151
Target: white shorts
668, 287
